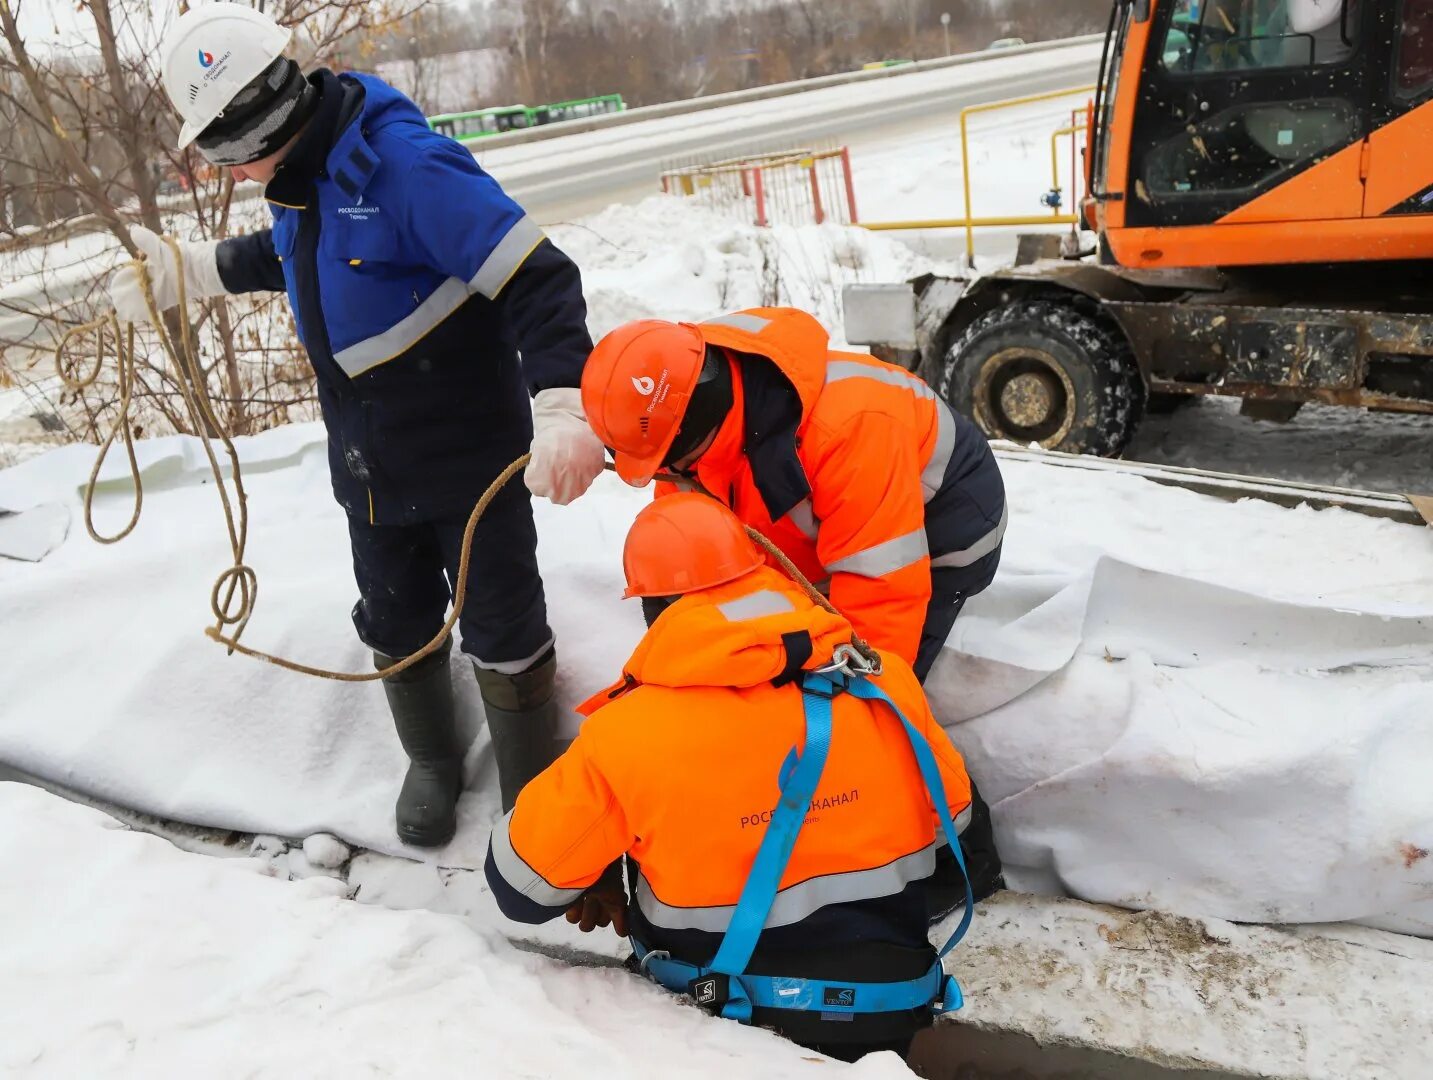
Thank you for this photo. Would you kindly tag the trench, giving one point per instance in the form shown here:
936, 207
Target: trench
951, 1050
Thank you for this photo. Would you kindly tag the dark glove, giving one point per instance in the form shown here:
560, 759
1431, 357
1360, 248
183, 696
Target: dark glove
603, 904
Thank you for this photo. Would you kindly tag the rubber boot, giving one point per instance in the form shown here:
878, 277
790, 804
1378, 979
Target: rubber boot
522, 722
945, 891
421, 700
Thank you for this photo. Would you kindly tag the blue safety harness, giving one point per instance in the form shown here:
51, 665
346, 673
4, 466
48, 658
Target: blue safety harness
724, 984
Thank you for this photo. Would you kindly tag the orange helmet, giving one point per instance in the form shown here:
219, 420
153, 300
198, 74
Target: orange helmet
684, 543
635, 390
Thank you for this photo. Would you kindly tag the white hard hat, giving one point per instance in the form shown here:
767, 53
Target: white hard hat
211, 53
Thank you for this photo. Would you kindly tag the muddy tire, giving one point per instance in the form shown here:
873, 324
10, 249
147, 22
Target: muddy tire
1041, 371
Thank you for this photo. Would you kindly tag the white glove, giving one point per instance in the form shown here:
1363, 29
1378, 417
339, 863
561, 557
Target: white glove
566, 455
201, 275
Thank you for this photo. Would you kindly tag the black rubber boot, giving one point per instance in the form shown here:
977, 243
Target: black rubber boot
945, 891
421, 700
522, 721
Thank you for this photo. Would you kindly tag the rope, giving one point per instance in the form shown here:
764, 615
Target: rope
236, 589
238, 583
124, 361
868, 654
459, 592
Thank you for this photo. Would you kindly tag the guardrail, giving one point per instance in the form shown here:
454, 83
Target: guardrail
970, 222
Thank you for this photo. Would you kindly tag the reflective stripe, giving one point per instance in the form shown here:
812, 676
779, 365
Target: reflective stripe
978, 550
499, 266
884, 558
840, 370
753, 324
404, 334
516, 872
755, 605
795, 902
962, 821
512, 251
933, 475
514, 667
804, 518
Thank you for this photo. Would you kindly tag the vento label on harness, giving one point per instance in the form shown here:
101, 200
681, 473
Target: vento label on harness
827, 802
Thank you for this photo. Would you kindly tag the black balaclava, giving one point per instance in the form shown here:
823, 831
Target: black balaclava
711, 401
264, 115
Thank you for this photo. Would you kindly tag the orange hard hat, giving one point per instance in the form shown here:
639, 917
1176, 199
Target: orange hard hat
684, 543
635, 390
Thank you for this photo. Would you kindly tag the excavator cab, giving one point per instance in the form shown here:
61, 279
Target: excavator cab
1249, 132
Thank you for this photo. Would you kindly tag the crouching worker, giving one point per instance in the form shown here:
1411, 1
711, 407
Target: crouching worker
780, 811
855, 469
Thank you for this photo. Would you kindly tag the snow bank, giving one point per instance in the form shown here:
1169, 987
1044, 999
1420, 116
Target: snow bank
1171, 701
139, 959
675, 258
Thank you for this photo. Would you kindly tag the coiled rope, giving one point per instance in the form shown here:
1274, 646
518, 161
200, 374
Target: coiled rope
236, 590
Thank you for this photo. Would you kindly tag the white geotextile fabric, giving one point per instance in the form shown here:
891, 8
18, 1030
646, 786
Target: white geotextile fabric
1248, 749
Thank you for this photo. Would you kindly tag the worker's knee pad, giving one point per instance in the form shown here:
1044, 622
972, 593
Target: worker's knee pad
430, 663
526, 690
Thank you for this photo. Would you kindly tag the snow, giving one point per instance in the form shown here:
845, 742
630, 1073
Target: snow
1212, 712
138, 959
1194, 994
1154, 674
185, 957
325, 852
674, 258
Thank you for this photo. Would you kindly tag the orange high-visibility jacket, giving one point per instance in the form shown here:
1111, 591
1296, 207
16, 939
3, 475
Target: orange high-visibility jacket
894, 482
678, 767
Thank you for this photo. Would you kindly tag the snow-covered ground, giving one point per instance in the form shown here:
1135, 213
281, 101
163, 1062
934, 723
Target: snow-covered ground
1173, 703
1249, 657
125, 956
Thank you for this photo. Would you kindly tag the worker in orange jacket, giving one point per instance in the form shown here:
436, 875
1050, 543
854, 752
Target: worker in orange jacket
683, 766
854, 468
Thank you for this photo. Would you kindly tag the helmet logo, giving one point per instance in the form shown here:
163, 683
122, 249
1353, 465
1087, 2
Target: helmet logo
644, 385
205, 59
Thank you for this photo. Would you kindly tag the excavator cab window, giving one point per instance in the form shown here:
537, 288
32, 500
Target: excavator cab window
1413, 72
1239, 96
1240, 35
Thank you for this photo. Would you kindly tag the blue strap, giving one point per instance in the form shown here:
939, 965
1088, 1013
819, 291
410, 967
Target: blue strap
812, 995
764, 879
930, 772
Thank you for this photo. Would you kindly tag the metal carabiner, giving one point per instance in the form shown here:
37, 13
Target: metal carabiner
847, 660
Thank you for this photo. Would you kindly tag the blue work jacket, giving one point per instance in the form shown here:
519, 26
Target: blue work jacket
415, 284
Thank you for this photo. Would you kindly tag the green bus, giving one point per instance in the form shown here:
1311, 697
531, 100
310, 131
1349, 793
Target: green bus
468, 126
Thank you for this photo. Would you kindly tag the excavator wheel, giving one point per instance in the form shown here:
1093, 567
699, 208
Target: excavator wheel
1042, 371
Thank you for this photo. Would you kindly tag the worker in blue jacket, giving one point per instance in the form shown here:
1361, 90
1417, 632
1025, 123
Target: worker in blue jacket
416, 284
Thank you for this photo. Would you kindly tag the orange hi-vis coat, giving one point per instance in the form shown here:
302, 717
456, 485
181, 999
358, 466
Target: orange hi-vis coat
898, 484
678, 765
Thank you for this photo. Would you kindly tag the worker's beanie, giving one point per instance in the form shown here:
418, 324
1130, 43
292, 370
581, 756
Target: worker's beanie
263, 116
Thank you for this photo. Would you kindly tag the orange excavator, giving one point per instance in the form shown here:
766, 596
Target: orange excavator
1259, 224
